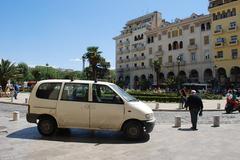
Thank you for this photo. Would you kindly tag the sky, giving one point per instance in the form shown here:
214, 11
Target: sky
58, 32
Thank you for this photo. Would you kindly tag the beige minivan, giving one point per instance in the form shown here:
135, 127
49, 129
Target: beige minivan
89, 105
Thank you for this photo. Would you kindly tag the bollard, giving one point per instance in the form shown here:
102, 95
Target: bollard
218, 106
26, 100
16, 116
157, 106
177, 122
216, 121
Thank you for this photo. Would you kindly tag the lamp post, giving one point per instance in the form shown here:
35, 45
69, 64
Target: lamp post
179, 59
47, 70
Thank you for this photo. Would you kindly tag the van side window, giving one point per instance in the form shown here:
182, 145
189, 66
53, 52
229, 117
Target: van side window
49, 91
104, 94
75, 92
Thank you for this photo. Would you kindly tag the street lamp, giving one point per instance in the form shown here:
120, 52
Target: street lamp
47, 70
179, 59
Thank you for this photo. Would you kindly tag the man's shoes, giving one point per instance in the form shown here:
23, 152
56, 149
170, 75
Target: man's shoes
193, 128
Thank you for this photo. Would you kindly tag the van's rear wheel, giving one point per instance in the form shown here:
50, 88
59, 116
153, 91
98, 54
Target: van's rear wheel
133, 130
47, 126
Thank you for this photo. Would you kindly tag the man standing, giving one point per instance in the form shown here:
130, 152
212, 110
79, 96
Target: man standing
195, 105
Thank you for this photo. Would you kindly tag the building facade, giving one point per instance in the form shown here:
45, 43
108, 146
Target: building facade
183, 49
225, 40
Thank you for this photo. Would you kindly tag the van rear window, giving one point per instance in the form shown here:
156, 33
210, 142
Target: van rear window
49, 91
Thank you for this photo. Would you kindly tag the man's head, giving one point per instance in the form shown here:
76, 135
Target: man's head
193, 92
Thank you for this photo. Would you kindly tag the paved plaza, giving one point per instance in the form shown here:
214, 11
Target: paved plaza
21, 140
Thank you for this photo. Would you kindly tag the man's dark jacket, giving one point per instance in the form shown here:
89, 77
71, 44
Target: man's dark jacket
194, 102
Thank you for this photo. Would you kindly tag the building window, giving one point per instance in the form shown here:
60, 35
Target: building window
234, 39
218, 28
203, 27
208, 26
206, 40
160, 48
159, 37
169, 59
219, 54
181, 45
193, 56
233, 13
207, 55
142, 54
150, 39
135, 65
234, 53
142, 64
220, 40
150, 50
169, 34
127, 57
175, 45
127, 66
169, 47
150, 62
135, 55
192, 41
232, 25
180, 32
160, 60
192, 29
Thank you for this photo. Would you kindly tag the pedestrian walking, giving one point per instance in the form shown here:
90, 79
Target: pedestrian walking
16, 90
194, 102
183, 98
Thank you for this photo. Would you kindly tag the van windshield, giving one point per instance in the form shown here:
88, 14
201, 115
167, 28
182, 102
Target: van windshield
124, 94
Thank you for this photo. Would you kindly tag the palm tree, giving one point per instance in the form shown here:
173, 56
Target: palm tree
94, 58
8, 71
157, 69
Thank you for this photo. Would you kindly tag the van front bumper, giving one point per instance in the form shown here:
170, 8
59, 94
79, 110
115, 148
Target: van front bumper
149, 125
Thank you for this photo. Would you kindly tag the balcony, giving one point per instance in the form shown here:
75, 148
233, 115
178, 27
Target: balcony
169, 64
218, 3
159, 53
182, 63
218, 31
126, 43
233, 43
120, 61
126, 51
232, 29
219, 44
192, 47
119, 52
140, 58
126, 60
120, 44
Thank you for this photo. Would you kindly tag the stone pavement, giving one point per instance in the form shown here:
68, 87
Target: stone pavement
208, 104
23, 142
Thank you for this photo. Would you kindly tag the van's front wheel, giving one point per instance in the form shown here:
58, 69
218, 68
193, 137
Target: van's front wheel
133, 130
47, 126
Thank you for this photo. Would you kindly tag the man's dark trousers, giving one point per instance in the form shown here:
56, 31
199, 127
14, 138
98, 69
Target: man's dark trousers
194, 117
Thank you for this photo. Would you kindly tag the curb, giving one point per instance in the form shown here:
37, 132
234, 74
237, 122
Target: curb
20, 104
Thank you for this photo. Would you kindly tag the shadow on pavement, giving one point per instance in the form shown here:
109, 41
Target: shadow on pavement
185, 129
76, 135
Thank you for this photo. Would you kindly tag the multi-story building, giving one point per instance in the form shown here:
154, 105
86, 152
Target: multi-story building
183, 49
225, 40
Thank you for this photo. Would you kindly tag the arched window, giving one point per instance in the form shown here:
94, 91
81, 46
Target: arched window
203, 27
208, 26
181, 44
169, 47
175, 45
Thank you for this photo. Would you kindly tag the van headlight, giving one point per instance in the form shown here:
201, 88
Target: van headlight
149, 116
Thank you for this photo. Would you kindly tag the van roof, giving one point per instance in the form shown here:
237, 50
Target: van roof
74, 81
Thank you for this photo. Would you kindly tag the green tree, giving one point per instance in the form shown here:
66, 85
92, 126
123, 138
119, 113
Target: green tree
98, 67
157, 69
8, 71
23, 71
